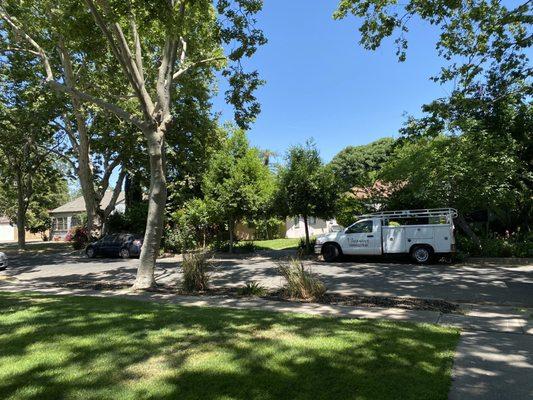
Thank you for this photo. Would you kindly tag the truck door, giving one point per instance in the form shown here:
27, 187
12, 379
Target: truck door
362, 238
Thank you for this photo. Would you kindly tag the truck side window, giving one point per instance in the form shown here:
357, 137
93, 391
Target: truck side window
361, 227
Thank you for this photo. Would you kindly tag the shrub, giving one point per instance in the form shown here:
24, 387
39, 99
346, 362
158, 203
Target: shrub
301, 283
179, 240
246, 247
252, 289
494, 245
190, 227
303, 249
221, 245
78, 236
196, 268
268, 228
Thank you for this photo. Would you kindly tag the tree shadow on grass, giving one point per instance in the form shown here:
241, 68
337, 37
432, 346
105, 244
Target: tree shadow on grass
74, 347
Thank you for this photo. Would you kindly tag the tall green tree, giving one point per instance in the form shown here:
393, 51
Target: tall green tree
29, 169
49, 190
155, 46
357, 166
237, 184
483, 45
306, 187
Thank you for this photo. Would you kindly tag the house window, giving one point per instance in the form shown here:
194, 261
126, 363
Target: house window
297, 222
60, 224
313, 220
75, 220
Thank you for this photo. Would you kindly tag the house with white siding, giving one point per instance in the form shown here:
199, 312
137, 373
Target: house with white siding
70, 215
295, 228
7, 230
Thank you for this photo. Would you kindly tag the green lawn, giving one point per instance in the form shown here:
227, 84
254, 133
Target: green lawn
54, 347
37, 247
277, 244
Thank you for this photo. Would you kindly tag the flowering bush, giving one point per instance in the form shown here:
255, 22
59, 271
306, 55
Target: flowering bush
78, 236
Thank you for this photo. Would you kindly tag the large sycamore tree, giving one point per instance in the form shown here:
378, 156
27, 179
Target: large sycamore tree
155, 45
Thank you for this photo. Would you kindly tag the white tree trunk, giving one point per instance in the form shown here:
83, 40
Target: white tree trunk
156, 211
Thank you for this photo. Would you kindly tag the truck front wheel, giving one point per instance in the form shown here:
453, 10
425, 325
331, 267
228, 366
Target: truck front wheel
421, 254
330, 252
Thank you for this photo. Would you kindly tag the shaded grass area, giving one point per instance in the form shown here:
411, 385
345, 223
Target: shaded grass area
55, 347
277, 244
36, 248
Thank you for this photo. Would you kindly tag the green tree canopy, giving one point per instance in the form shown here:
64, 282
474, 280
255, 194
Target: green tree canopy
357, 166
306, 187
466, 172
31, 175
237, 183
472, 149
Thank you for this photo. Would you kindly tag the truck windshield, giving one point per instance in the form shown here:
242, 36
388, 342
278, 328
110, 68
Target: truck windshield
361, 227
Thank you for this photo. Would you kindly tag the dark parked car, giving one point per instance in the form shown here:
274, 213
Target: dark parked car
123, 245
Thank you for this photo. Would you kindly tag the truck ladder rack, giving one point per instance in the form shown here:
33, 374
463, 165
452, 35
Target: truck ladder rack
423, 213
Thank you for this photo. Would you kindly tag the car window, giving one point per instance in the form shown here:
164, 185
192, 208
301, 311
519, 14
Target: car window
361, 227
121, 238
108, 238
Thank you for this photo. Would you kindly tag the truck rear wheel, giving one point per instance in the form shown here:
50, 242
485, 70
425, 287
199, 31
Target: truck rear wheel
421, 254
330, 252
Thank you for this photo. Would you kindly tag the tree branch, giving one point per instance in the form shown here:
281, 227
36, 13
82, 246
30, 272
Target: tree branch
101, 103
11, 22
138, 48
62, 88
116, 192
60, 154
14, 49
108, 171
182, 71
120, 49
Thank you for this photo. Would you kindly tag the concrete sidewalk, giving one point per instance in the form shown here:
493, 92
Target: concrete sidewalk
494, 359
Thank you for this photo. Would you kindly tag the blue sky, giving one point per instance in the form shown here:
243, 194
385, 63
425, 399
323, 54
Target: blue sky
321, 83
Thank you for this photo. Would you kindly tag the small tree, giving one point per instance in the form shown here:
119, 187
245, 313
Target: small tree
191, 223
306, 186
31, 176
237, 184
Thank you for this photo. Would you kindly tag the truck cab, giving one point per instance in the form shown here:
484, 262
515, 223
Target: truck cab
419, 233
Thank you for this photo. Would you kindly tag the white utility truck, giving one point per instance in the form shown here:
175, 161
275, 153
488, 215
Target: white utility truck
420, 233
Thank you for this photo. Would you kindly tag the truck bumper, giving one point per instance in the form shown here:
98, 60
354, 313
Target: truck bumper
318, 249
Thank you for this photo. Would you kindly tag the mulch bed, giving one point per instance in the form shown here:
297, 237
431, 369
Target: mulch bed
409, 303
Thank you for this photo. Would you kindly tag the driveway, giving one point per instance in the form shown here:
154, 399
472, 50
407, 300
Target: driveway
476, 282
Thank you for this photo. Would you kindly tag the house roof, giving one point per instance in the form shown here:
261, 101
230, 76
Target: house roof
378, 188
78, 205
363, 193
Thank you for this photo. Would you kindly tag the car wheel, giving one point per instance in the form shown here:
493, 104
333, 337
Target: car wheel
330, 252
90, 252
124, 253
421, 254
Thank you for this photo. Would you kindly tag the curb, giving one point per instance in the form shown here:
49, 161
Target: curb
501, 260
